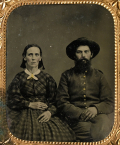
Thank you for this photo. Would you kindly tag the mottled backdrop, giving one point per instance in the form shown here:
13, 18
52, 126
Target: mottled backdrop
53, 27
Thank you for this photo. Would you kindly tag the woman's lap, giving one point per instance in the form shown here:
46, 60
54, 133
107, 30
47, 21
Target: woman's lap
29, 128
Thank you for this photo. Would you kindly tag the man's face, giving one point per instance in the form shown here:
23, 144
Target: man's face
33, 57
83, 52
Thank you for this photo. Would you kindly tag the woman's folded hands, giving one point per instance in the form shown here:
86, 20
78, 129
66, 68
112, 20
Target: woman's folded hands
38, 105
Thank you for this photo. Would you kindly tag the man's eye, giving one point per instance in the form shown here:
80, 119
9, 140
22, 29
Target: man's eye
79, 52
37, 54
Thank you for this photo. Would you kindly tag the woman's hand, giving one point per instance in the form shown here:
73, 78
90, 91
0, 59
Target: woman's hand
38, 105
44, 117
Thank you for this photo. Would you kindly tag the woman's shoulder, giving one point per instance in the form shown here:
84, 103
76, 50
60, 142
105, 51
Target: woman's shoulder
45, 75
17, 78
19, 75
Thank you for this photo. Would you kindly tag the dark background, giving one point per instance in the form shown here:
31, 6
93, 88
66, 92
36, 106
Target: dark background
53, 27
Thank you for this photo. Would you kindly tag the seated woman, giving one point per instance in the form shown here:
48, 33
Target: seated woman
31, 102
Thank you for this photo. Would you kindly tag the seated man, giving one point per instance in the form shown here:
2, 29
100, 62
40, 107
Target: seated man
84, 97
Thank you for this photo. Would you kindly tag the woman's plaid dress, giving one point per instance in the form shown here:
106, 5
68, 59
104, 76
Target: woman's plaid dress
25, 124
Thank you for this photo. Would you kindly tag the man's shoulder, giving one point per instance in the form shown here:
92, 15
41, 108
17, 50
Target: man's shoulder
68, 71
98, 72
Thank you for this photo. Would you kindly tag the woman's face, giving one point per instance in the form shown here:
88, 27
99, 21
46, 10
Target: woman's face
32, 57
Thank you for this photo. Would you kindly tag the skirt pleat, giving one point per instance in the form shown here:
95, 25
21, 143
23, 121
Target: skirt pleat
27, 127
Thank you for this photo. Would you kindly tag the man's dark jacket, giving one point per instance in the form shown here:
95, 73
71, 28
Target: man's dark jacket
77, 92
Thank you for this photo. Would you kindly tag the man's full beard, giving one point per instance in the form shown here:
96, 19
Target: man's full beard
82, 65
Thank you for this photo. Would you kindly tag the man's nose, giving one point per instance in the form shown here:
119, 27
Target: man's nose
83, 54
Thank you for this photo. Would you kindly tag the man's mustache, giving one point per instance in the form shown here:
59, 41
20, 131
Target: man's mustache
82, 60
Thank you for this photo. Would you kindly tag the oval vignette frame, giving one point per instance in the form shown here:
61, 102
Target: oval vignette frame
6, 7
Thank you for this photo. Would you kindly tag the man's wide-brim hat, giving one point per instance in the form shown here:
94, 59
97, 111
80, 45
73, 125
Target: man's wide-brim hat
72, 47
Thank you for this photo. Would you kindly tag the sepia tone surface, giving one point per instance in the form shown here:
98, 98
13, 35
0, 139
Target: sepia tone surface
6, 8
53, 32
52, 27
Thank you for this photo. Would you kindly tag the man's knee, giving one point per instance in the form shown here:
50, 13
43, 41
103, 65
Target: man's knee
100, 127
82, 127
97, 129
82, 131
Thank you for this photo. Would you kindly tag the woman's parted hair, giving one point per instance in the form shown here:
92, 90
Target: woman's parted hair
40, 65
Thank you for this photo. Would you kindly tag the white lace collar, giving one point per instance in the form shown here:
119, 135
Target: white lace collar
32, 75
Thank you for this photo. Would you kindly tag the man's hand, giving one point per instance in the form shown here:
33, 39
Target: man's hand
89, 113
44, 117
38, 105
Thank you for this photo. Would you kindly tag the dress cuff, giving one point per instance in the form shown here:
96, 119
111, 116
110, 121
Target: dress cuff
52, 110
27, 104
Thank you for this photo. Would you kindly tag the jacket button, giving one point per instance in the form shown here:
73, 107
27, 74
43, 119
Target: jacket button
84, 95
83, 88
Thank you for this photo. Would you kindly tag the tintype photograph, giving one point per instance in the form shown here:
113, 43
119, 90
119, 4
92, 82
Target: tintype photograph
60, 83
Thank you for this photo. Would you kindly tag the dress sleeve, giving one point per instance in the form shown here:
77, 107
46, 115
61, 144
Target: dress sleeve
51, 98
106, 104
14, 98
64, 105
